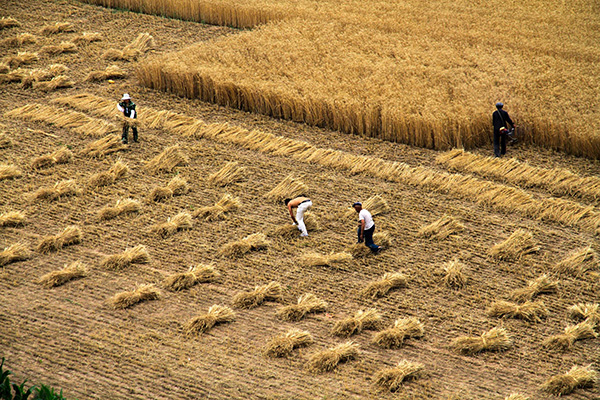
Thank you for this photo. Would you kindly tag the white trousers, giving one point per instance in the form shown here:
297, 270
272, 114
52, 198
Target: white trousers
302, 208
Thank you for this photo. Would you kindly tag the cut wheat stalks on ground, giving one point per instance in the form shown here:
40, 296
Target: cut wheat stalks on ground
199, 274
59, 27
540, 285
68, 273
226, 204
381, 287
132, 255
5, 141
128, 299
586, 311
254, 298
9, 172
376, 205
395, 336
121, 207
254, 242
228, 174
361, 320
328, 360
19, 40
62, 47
577, 378
283, 344
179, 222
572, 333
104, 146
393, 378
578, 262
528, 311
442, 228
21, 58
87, 37
359, 250
8, 22
70, 236
496, 339
167, 161
289, 231
454, 276
325, 260
106, 178
177, 186
13, 253
60, 156
140, 45
60, 189
110, 72
10, 76
516, 396
58, 82
307, 303
12, 218
287, 189
519, 244
202, 323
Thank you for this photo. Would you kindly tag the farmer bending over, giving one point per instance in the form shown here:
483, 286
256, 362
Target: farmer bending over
127, 107
366, 227
302, 204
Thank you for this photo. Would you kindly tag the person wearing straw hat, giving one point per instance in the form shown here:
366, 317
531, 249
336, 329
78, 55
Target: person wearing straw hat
127, 107
500, 118
366, 228
302, 204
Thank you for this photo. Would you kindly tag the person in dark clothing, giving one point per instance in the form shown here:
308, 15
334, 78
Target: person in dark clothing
127, 107
500, 118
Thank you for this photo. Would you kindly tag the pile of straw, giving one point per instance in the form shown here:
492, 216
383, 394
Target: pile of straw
60, 156
141, 293
58, 82
110, 72
22, 58
381, 287
287, 189
578, 262
104, 146
254, 242
496, 339
217, 212
307, 303
269, 292
176, 187
59, 190
166, 161
122, 206
179, 222
583, 330
87, 37
8, 22
519, 244
516, 396
199, 274
359, 250
105, 178
12, 218
71, 235
14, 252
376, 205
442, 228
283, 345
395, 336
577, 377
361, 320
585, 311
133, 255
140, 45
327, 360
8, 76
59, 277
528, 311
289, 231
215, 315
19, 40
540, 285
9, 172
55, 49
58, 27
392, 378
454, 276
230, 173
325, 260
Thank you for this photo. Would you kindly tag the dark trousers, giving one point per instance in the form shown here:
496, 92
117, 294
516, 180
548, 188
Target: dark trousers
126, 133
499, 144
368, 238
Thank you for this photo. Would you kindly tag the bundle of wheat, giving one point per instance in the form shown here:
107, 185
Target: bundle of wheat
60, 156
583, 330
176, 187
8, 22
58, 82
269, 292
59, 190
586, 311
5, 141
71, 235
140, 45
202, 323
381, 287
141, 293
111, 72
14, 252
287, 189
392, 378
442, 228
376, 205
213, 213
577, 377
179, 222
325, 260
395, 336
199, 274
9, 172
529, 311
123, 206
12, 218
87, 37
541, 284
58, 27
55, 49
516, 396
256, 241
578, 262
283, 345
519, 244
454, 276
17, 75
105, 178
22, 58
230, 173
327, 360
19, 40
289, 231
166, 161
71, 271
101, 147
496, 339
133, 255
307, 303
359, 250
361, 320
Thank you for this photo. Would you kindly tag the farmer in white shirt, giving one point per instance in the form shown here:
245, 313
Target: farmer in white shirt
366, 227
302, 204
127, 107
